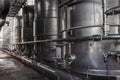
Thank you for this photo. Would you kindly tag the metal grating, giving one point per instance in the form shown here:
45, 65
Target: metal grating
15, 6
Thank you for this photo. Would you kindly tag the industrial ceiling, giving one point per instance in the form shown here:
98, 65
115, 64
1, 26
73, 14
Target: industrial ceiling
15, 6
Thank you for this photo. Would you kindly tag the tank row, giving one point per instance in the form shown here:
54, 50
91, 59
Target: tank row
73, 36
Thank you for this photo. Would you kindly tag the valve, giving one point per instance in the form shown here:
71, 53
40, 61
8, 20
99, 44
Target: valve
115, 54
69, 58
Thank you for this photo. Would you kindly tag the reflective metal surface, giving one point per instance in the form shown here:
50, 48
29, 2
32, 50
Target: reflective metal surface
91, 55
47, 26
47, 17
113, 21
88, 12
70, 37
28, 18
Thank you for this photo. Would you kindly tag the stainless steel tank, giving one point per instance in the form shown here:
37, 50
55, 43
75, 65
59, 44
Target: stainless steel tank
47, 25
47, 17
113, 21
87, 13
92, 57
38, 29
27, 28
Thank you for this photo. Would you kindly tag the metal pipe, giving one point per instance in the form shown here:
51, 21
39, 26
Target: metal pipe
114, 25
89, 38
35, 30
113, 11
63, 22
65, 3
105, 25
81, 27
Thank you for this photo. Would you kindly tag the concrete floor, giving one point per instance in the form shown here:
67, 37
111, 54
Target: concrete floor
11, 69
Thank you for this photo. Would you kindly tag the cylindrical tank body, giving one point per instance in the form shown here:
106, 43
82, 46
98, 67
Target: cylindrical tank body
87, 13
47, 18
38, 29
27, 28
90, 55
114, 20
47, 26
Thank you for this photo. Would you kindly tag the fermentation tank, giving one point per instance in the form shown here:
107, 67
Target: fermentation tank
47, 26
27, 29
87, 13
91, 57
114, 20
38, 30
69, 39
28, 18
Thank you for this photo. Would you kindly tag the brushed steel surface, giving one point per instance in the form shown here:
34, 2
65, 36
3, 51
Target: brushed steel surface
46, 12
28, 18
47, 17
113, 20
88, 12
90, 55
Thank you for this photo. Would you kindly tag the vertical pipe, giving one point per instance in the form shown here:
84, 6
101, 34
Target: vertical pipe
64, 33
105, 24
35, 31
22, 25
